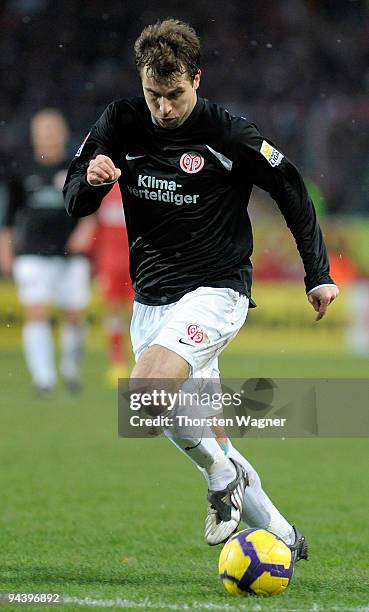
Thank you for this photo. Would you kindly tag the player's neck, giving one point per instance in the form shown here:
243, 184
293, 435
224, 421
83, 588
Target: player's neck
185, 118
193, 106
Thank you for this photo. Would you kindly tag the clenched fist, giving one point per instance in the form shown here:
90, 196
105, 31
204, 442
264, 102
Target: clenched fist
102, 170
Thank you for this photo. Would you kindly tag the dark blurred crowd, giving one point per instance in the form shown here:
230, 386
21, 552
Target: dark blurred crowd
298, 68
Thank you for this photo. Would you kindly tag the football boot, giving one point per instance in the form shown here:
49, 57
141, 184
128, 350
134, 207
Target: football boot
225, 508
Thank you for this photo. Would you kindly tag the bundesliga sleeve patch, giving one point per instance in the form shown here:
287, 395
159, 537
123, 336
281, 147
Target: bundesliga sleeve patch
272, 155
82, 145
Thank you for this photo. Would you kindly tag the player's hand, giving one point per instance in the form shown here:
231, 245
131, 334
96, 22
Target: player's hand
321, 298
6, 252
102, 170
82, 238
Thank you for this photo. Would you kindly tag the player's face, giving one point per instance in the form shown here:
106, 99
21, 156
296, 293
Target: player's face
48, 131
170, 103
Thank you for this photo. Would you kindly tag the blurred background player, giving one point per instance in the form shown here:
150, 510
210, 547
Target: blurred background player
44, 249
111, 258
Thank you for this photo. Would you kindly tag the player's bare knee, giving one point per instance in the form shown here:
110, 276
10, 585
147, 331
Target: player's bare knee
157, 377
161, 363
36, 312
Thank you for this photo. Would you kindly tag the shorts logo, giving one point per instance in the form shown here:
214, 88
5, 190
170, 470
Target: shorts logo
272, 155
191, 162
195, 333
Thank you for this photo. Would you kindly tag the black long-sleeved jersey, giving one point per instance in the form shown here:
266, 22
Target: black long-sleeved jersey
185, 193
35, 209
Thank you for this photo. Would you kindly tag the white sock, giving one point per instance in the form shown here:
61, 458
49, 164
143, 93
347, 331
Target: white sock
38, 346
206, 453
258, 510
71, 342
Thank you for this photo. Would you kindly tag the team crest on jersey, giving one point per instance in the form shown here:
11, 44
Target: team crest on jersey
82, 145
272, 155
191, 162
195, 332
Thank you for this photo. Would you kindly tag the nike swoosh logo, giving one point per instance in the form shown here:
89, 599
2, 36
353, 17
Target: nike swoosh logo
183, 342
130, 157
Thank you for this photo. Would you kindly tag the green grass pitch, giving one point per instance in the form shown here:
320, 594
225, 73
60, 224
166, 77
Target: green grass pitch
121, 521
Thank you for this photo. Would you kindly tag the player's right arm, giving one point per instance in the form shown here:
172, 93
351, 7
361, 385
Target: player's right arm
94, 168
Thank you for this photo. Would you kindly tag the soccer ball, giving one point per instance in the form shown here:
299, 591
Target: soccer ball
256, 562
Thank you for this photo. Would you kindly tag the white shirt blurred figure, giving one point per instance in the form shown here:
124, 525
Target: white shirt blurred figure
45, 251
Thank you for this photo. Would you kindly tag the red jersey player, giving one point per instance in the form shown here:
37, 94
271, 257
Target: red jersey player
111, 256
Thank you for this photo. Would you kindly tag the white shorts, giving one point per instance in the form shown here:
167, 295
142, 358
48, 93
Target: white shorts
197, 327
63, 281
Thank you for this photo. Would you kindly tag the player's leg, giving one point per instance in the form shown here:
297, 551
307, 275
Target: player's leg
169, 371
115, 331
160, 363
72, 338
257, 509
38, 346
33, 277
117, 302
174, 357
72, 297
112, 270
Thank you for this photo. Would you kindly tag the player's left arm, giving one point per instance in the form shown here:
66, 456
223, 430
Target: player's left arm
270, 170
81, 240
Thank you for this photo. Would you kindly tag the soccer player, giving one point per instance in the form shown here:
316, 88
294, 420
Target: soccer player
186, 168
45, 250
111, 258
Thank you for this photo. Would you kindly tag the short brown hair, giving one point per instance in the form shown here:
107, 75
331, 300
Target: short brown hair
168, 48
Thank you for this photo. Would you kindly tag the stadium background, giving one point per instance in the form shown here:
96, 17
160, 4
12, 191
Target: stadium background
300, 70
